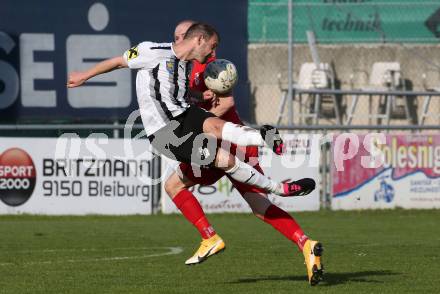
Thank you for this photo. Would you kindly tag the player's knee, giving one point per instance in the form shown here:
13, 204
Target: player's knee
258, 202
214, 126
173, 187
256, 211
168, 188
258, 214
224, 160
231, 161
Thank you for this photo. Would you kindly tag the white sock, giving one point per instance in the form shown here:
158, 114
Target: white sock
242, 135
246, 174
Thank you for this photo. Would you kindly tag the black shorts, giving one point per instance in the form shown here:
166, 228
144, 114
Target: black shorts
182, 139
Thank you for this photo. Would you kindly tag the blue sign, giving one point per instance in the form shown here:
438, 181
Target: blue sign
42, 41
385, 192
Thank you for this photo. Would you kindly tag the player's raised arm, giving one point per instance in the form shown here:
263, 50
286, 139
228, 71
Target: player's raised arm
76, 79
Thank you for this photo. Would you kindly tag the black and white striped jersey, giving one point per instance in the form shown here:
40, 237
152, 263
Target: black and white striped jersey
161, 83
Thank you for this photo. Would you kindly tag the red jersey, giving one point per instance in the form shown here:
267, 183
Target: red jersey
211, 175
197, 83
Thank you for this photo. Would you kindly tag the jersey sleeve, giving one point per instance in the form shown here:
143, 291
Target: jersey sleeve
140, 56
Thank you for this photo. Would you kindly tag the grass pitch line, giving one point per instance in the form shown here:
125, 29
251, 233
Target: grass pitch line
47, 250
170, 251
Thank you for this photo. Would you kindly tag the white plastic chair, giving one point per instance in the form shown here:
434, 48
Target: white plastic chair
384, 76
425, 111
312, 77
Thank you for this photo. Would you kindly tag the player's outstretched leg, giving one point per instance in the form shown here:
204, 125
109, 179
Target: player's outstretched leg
243, 135
190, 207
312, 252
244, 173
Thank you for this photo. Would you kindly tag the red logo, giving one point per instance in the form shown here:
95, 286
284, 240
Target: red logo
17, 177
197, 78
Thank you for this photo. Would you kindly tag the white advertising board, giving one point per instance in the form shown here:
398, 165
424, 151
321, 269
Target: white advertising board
406, 176
75, 176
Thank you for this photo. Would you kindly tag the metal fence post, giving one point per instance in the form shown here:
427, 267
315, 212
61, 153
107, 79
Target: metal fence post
290, 64
116, 130
329, 180
324, 175
156, 188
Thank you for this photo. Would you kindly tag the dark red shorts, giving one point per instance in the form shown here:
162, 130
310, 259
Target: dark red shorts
209, 176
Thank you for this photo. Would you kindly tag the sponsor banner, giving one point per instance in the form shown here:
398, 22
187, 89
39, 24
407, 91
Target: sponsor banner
396, 170
75, 176
302, 161
42, 41
346, 21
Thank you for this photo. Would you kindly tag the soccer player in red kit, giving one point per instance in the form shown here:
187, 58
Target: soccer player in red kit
178, 183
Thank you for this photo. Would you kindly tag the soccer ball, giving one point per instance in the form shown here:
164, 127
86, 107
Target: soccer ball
220, 76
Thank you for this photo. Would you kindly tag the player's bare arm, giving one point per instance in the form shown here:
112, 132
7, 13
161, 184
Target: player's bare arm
197, 96
221, 105
76, 79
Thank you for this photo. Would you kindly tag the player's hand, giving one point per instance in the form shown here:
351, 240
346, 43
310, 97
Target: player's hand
76, 79
225, 95
209, 95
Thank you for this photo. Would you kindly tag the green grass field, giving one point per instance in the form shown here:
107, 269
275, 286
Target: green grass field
365, 252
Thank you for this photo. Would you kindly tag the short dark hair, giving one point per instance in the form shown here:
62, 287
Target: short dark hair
203, 29
186, 21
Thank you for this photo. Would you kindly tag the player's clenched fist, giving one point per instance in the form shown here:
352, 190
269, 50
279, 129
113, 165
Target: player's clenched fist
76, 79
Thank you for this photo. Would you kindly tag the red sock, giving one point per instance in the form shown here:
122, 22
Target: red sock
193, 212
286, 225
